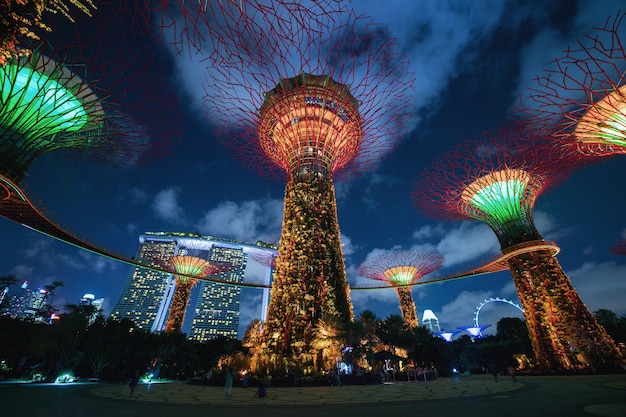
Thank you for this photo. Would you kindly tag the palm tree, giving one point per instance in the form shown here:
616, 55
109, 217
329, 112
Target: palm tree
370, 325
357, 343
51, 288
393, 333
8, 280
48, 309
329, 336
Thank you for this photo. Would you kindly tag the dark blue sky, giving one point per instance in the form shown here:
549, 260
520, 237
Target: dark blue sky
471, 59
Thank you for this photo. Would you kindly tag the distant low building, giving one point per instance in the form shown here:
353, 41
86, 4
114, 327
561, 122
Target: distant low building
430, 321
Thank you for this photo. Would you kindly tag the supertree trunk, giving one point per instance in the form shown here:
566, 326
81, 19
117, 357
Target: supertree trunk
176, 316
407, 306
310, 279
564, 334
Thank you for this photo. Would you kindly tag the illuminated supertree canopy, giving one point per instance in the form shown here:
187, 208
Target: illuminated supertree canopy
401, 269
186, 265
582, 98
497, 179
326, 102
65, 97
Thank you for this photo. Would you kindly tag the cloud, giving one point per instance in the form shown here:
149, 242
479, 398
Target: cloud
72, 261
131, 228
601, 285
133, 197
371, 194
468, 242
342, 190
251, 309
22, 272
166, 205
550, 42
460, 311
248, 221
429, 231
255, 272
439, 37
347, 246
38, 248
382, 302
97, 263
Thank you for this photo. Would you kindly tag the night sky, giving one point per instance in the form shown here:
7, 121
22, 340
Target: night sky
471, 61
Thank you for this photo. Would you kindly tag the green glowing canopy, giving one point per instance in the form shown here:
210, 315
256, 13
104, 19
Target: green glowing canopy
613, 130
499, 194
191, 266
42, 96
401, 275
605, 121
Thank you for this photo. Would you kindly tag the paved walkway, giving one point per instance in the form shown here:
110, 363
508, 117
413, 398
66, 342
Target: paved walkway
441, 388
571, 396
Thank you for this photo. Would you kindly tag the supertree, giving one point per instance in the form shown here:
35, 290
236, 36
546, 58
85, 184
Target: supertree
582, 98
91, 88
401, 269
186, 264
496, 179
335, 102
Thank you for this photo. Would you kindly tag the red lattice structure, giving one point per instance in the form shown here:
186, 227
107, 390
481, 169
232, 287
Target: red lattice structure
90, 88
327, 103
496, 179
619, 248
582, 98
204, 27
401, 269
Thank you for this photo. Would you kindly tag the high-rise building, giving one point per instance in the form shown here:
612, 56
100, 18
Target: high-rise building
217, 308
27, 303
431, 321
147, 297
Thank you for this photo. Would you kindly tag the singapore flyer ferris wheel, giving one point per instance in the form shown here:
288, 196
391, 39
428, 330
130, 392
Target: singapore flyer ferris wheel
493, 300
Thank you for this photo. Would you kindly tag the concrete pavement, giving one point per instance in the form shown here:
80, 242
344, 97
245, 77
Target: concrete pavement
569, 396
441, 388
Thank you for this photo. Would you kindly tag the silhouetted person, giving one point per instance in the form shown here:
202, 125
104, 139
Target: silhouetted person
229, 382
511, 371
493, 370
133, 381
261, 392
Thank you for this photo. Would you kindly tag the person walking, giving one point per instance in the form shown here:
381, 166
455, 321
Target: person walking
511, 372
493, 370
228, 387
133, 382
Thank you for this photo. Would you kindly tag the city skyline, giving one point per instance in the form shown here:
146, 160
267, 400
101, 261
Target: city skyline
468, 75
